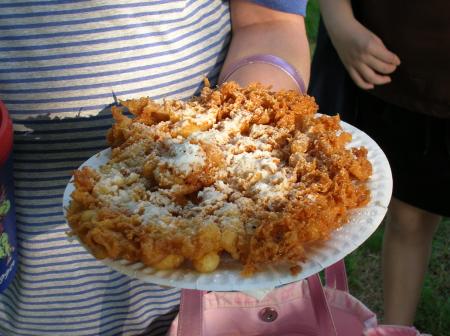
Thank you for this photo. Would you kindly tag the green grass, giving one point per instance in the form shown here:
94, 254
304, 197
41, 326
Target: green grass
434, 311
364, 265
312, 22
364, 270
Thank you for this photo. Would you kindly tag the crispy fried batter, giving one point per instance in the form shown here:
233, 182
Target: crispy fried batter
243, 171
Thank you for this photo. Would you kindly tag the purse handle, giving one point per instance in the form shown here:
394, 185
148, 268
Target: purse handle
190, 318
336, 276
322, 312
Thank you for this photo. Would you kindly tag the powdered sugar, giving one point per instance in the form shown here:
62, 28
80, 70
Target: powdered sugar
183, 157
250, 173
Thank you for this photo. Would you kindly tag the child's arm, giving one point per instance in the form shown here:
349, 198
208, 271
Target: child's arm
260, 30
363, 54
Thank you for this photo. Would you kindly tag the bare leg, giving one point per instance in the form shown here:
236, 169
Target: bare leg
406, 252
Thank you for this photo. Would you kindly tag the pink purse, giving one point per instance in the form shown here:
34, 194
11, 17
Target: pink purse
303, 308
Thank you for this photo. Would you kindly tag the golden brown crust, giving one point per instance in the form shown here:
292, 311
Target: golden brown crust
246, 171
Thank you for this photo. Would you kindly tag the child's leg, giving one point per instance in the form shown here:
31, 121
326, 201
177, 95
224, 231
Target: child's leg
406, 252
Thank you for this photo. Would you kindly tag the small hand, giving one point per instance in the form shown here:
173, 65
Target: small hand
364, 55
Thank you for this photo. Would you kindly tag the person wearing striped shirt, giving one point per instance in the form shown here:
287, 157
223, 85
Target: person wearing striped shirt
60, 61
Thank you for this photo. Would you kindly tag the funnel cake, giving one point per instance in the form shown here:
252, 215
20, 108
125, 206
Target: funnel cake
247, 172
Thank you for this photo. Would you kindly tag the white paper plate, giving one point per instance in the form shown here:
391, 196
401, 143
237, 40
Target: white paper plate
362, 224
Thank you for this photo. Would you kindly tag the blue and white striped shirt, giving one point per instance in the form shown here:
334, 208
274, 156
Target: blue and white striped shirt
60, 61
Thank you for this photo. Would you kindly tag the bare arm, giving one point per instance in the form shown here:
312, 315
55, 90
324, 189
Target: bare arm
259, 30
363, 54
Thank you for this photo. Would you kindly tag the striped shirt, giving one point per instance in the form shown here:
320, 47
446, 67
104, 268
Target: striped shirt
60, 61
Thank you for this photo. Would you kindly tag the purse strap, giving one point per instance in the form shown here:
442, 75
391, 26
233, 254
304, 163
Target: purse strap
322, 312
190, 318
336, 276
